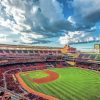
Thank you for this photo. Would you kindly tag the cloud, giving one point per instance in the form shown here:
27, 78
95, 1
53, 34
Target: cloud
78, 37
64, 40
30, 38
37, 20
83, 21
86, 12
86, 7
54, 8
33, 16
8, 37
71, 37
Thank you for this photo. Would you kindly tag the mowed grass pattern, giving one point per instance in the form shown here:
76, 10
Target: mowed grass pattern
72, 84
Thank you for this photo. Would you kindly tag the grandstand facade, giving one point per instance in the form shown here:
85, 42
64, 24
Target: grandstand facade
18, 49
20, 53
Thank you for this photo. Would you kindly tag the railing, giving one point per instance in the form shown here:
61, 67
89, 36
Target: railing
14, 95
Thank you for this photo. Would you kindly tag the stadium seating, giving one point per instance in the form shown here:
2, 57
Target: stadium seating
10, 79
89, 56
13, 61
88, 61
97, 58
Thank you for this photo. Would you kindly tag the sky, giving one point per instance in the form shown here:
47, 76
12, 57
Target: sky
50, 23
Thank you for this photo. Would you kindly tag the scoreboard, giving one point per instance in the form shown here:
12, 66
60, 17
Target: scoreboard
97, 47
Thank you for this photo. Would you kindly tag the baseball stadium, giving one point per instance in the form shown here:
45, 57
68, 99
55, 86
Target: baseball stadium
49, 49
49, 73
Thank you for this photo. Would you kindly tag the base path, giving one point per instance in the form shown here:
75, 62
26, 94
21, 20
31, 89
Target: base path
51, 77
23, 84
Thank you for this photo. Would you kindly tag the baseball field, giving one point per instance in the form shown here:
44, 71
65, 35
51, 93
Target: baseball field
64, 83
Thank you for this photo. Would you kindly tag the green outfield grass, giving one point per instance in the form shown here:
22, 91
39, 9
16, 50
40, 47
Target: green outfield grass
72, 84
